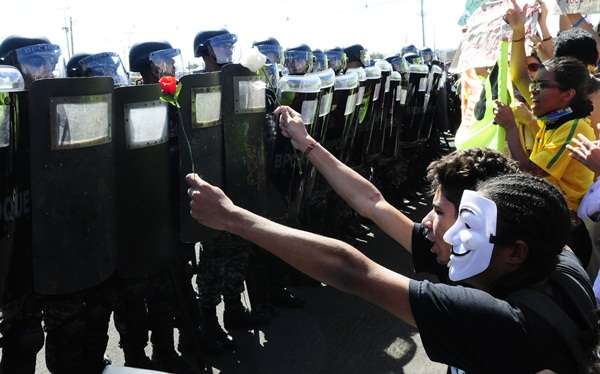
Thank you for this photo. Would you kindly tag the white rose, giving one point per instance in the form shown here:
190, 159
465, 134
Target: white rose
253, 60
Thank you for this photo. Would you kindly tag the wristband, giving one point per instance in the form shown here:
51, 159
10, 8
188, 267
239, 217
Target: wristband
547, 39
518, 40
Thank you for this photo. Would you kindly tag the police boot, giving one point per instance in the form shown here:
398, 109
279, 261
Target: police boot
213, 339
236, 316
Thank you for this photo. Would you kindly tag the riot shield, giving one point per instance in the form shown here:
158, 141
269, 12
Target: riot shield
377, 133
393, 110
200, 101
145, 212
327, 78
301, 93
415, 101
243, 107
9, 116
365, 114
342, 115
72, 183
433, 86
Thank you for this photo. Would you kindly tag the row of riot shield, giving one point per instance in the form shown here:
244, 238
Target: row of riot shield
88, 183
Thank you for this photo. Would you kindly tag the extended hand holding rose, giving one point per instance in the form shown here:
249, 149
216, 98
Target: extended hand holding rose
292, 126
209, 205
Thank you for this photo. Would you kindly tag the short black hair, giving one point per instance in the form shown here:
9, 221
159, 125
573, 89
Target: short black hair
465, 169
532, 210
577, 43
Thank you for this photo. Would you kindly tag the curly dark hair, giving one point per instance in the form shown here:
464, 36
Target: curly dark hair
570, 73
463, 170
577, 43
534, 211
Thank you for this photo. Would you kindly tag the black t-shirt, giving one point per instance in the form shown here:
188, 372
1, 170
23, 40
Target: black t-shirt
472, 330
423, 260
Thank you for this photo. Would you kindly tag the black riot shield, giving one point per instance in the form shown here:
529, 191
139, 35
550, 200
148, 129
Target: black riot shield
145, 213
415, 101
433, 86
327, 81
243, 107
8, 186
200, 101
366, 113
72, 183
342, 114
301, 93
377, 132
393, 111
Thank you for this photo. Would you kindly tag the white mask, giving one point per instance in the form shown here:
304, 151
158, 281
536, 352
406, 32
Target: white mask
471, 236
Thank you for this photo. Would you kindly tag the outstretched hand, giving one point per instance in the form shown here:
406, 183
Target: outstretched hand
504, 116
209, 205
586, 151
292, 126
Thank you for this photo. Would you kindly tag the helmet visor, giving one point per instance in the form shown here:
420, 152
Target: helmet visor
38, 61
273, 52
167, 62
365, 58
321, 61
222, 47
298, 62
336, 60
107, 64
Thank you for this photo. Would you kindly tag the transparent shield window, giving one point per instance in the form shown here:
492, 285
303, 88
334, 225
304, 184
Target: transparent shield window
4, 126
206, 106
387, 84
401, 95
376, 91
250, 95
309, 109
81, 121
361, 94
146, 124
325, 105
350, 104
423, 84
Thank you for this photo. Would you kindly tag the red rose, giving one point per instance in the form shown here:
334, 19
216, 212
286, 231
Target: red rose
168, 85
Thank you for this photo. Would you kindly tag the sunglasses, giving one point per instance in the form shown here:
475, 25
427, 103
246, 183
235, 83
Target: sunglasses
540, 85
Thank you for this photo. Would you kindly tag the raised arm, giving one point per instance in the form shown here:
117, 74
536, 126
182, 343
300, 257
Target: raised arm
355, 190
515, 17
545, 47
328, 260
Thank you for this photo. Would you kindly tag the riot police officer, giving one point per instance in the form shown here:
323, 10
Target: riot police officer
427, 55
321, 62
148, 301
337, 59
76, 307
358, 56
21, 335
299, 60
223, 260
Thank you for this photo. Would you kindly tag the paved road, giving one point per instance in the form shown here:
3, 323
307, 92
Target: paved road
334, 333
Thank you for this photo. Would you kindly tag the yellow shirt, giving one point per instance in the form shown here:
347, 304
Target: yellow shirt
550, 153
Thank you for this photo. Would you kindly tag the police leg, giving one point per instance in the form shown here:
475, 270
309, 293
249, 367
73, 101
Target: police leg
65, 334
211, 273
131, 321
236, 315
97, 317
23, 337
161, 315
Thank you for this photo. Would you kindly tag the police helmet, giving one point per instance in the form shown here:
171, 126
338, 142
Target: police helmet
73, 67
15, 42
139, 54
218, 43
357, 53
321, 62
270, 48
337, 59
409, 49
427, 55
105, 64
298, 60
